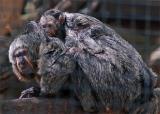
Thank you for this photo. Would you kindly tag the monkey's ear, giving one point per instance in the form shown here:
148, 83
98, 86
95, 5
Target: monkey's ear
61, 18
31, 26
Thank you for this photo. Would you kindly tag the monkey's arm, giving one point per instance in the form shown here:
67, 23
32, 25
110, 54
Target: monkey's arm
50, 85
53, 69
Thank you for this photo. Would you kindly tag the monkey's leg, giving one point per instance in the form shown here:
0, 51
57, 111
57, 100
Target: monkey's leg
50, 85
30, 92
149, 107
84, 93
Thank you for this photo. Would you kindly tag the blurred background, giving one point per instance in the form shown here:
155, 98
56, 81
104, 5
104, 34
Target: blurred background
137, 21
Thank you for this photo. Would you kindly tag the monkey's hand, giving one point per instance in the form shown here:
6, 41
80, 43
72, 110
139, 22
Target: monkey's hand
30, 92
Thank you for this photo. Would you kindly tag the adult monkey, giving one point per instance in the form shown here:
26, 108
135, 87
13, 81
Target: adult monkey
56, 62
127, 83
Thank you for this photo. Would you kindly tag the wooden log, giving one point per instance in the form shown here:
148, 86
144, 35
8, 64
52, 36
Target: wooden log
61, 106
42, 106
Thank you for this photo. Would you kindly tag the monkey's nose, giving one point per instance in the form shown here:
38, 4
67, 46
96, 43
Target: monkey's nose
21, 63
39, 72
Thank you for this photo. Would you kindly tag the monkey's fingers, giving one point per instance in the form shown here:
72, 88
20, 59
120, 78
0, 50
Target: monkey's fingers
25, 96
31, 92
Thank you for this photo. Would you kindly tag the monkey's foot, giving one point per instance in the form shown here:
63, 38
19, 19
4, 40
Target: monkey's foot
88, 105
30, 92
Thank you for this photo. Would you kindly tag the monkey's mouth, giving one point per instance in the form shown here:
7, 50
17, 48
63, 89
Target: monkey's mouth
52, 32
28, 73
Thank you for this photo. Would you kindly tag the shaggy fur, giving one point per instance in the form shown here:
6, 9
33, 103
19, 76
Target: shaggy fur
56, 69
113, 69
30, 41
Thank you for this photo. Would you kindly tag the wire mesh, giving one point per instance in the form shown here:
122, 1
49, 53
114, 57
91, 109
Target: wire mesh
137, 21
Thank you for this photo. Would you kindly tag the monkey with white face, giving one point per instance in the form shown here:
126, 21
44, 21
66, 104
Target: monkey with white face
23, 55
21, 58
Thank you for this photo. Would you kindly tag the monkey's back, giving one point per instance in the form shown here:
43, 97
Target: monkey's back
118, 75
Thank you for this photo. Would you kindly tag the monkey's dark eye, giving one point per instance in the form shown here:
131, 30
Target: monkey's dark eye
79, 24
49, 25
57, 15
44, 26
22, 53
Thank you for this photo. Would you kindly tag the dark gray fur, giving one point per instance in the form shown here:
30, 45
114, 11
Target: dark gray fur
56, 69
114, 70
31, 41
